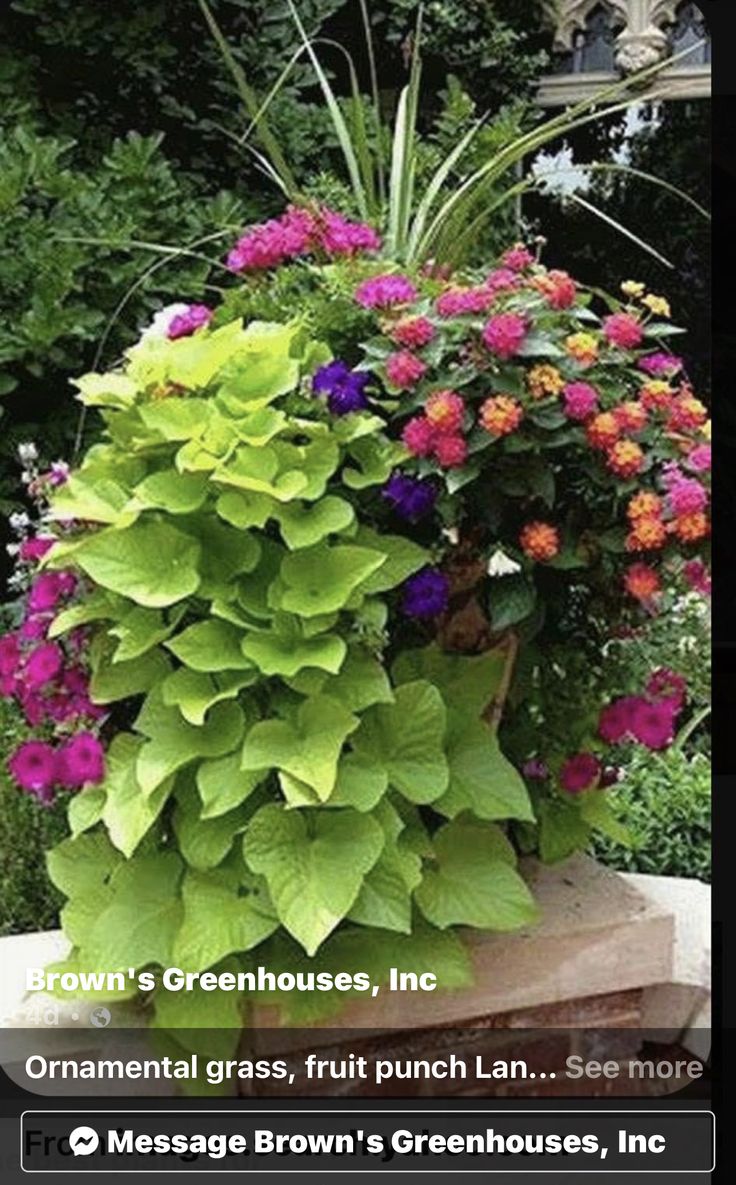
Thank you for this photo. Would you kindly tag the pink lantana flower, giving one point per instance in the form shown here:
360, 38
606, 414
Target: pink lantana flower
504, 334
404, 370
623, 330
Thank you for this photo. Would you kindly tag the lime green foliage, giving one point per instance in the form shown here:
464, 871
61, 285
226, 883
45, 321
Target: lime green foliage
666, 806
27, 900
267, 785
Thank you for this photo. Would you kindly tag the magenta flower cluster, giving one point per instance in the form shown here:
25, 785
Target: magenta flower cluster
46, 678
648, 719
299, 232
185, 324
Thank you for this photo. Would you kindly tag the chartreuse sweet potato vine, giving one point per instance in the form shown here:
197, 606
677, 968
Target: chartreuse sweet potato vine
267, 775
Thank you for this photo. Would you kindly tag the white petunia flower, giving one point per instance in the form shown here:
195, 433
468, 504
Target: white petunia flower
27, 453
502, 565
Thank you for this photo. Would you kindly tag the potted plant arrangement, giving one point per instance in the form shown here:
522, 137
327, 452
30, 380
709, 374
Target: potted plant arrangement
287, 621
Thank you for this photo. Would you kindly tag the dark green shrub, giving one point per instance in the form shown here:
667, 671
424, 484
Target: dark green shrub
28, 900
665, 803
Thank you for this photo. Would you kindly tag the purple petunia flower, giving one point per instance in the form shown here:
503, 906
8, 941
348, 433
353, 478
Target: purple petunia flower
411, 497
344, 388
426, 594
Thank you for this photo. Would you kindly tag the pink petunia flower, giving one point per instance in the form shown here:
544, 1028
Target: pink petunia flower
580, 772
42, 666
33, 765
81, 760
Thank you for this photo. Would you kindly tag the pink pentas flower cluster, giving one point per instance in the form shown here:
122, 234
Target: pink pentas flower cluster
299, 232
385, 291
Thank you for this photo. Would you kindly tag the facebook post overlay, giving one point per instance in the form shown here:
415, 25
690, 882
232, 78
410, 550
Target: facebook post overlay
339, 1141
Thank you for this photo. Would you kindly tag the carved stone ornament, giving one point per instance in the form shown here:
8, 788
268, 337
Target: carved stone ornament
641, 42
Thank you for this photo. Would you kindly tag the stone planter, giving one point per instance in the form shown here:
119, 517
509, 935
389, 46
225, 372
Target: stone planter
616, 960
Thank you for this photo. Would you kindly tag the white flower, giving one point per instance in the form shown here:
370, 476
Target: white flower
502, 565
557, 173
19, 522
159, 326
452, 535
27, 453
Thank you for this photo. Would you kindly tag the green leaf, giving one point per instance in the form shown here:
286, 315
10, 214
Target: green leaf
204, 843
151, 562
140, 630
468, 684
244, 508
105, 390
85, 809
173, 743
596, 809
314, 865
128, 813
482, 780
194, 693
177, 493
117, 680
98, 606
219, 919
277, 655
360, 783
360, 682
177, 419
139, 924
308, 749
321, 579
226, 553
562, 830
223, 785
511, 600
474, 882
91, 499
376, 458
257, 470
405, 741
210, 646
403, 558
81, 867
303, 526
385, 896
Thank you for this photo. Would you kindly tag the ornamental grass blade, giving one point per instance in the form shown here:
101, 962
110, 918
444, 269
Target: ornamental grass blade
250, 102
586, 205
403, 157
435, 186
370, 50
338, 119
